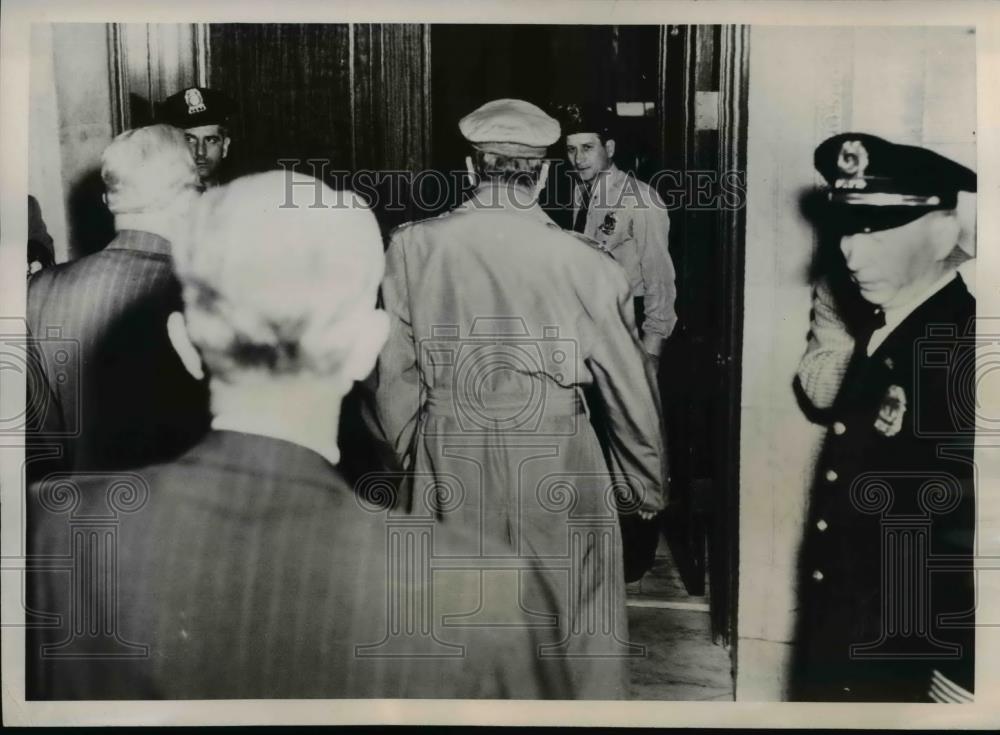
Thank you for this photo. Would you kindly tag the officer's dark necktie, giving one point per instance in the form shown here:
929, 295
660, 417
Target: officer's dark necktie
580, 223
866, 327
872, 324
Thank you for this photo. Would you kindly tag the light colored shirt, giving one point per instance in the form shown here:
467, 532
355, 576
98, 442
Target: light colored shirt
629, 220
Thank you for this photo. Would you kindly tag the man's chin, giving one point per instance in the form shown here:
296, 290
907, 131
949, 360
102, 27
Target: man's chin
876, 296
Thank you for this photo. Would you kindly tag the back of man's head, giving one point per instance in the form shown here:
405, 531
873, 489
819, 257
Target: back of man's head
276, 287
147, 169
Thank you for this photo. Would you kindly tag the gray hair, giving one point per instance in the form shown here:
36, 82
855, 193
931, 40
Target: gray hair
146, 169
271, 286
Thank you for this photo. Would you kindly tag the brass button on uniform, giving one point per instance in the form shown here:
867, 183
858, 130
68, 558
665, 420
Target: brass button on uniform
822, 525
817, 575
839, 428
831, 476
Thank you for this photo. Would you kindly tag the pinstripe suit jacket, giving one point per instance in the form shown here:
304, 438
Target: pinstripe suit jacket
108, 388
248, 568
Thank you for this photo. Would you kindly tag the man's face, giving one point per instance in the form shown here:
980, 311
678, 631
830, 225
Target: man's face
588, 155
209, 145
889, 266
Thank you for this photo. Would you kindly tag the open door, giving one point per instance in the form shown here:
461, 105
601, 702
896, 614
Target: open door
679, 93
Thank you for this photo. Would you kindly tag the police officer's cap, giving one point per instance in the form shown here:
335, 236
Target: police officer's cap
587, 118
510, 127
874, 184
196, 106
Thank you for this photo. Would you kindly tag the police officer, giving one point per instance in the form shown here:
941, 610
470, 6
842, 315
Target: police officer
505, 334
625, 216
204, 115
887, 594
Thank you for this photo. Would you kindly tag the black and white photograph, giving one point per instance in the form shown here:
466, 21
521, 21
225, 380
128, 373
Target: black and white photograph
601, 357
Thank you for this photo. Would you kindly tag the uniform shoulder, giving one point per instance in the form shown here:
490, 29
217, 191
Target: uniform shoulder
645, 193
418, 224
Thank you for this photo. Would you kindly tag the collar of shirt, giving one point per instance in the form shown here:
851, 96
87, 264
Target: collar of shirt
895, 317
605, 189
493, 195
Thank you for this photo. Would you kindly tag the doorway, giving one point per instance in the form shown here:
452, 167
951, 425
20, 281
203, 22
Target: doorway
389, 96
662, 83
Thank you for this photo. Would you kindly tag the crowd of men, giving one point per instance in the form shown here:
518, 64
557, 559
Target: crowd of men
191, 387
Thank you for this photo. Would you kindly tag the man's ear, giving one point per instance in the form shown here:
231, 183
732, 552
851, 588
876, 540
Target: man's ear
609, 146
543, 176
178, 334
225, 146
470, 172
945, 231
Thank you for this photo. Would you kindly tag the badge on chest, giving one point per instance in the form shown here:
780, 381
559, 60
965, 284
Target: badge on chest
889, 420
609, 224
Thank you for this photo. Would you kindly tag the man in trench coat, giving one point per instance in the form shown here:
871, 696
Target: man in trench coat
507, 336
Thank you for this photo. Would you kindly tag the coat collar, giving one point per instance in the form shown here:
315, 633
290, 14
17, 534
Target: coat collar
946, 306
140, 240
261, 456
495, 196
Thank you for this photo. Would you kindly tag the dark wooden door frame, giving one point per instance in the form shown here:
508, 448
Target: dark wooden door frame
713, 60
733, 92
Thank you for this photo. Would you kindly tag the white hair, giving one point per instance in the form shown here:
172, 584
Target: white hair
273, 284
147, 169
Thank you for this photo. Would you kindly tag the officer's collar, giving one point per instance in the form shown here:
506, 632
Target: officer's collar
895, 317
605, 185
495, 196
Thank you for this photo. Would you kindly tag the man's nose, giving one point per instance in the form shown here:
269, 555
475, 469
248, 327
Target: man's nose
201, 149
852, 246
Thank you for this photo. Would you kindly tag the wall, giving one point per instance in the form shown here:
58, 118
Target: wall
70, 124
74, 114
911, 85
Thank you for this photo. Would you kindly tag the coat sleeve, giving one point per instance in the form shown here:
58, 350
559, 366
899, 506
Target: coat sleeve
629, 400
652, 227
398, 393
828, 352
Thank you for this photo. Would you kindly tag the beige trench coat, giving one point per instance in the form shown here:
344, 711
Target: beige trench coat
508, 335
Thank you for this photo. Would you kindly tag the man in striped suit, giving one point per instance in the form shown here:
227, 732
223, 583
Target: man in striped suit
248, 568
108, 391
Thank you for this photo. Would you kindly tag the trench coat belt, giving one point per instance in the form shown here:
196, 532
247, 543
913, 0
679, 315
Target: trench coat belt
551, 402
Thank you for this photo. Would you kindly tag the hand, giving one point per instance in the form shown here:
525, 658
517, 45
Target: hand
647, 515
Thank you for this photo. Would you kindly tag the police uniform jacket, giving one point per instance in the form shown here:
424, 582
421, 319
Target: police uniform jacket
628, 218
886, 580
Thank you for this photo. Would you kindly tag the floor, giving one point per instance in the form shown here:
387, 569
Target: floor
681, 661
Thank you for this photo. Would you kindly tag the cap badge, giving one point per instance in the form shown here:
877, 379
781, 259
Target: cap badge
852, 162
890, 414
609, 224
194, 101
